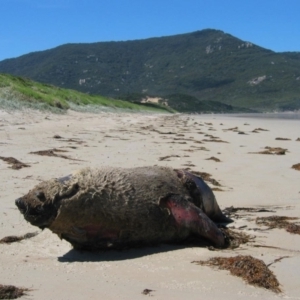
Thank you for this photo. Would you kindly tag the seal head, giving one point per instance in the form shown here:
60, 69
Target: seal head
40, 205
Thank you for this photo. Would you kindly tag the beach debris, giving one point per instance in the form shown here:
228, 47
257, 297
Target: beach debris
242, 132
147, 292
214, 140
187, 139
272, 151
293, 228
182, 143
279, 222
235, 129
167, 157
296, 167
282, 139
12, 292
277, 260
189, 165
56, 136
261, 129
232, 211
235, 238
211, 136
217, 189
161, 132
53, 152
13, 238
70, 140
15, 164
214, 159
196, 148
252, 270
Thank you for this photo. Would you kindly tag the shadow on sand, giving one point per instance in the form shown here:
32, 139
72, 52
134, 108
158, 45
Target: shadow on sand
131, 253
115, 255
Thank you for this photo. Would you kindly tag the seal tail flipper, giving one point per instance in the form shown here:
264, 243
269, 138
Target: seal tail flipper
188, 215
209, 202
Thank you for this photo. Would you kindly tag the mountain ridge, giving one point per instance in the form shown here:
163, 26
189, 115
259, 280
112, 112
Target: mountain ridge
209, 65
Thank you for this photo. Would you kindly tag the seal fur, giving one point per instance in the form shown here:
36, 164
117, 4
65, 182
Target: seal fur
118, 207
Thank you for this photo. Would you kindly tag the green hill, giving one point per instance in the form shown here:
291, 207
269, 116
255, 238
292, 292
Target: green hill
207, 65
16, 91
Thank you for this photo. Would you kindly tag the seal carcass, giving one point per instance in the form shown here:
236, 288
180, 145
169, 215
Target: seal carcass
118, 207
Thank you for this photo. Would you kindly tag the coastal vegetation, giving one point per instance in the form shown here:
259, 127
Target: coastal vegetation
18, 91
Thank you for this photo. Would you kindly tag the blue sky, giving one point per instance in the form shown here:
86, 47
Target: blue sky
34, 25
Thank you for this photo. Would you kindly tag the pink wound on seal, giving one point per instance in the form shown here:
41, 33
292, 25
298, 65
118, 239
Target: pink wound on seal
182, 215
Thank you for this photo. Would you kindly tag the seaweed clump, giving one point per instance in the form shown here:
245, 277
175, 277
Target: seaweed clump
15, 164
234, 239
296, 167
11, 292
279, 222
13, 238
272, 151
254, 271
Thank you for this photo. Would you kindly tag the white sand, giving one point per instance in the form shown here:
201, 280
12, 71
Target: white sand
54, 271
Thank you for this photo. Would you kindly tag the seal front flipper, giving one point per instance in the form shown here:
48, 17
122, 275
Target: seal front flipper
187, 215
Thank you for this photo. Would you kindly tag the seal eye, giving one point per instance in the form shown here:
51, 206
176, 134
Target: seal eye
41, 196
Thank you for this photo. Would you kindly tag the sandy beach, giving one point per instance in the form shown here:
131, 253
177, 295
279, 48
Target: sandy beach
227, 147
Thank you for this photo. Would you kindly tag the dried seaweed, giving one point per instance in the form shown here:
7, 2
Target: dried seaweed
229, 211
214, 140
161, 132
293, 228
217, 190
205, 176
282, 139
214, 159
261, 129
11, 292
167, 157
189, 165
254, 271
234, 239
279, 222
147, 292
16, 164
231, 129
296, 167
272, 151
13, 238
53, 152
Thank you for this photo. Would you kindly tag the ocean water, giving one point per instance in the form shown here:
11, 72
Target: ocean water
280, 115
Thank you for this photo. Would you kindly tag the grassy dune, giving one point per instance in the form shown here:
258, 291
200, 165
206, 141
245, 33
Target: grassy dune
18, 91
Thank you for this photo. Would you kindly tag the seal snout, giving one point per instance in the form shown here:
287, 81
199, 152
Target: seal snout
20, 204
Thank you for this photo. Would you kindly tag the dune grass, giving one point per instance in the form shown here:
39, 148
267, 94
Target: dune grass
25, 92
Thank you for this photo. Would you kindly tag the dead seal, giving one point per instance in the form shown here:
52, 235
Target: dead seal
119, 208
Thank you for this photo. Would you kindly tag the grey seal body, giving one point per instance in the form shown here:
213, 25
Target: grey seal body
119, 208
